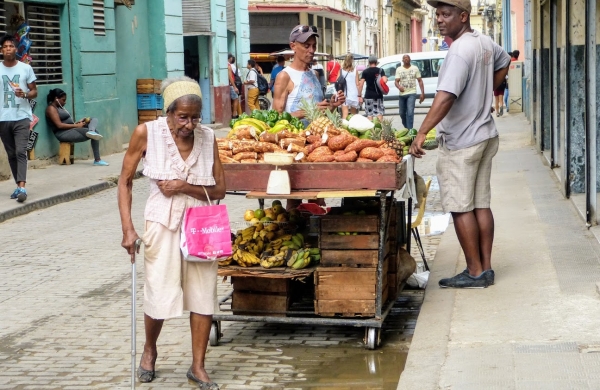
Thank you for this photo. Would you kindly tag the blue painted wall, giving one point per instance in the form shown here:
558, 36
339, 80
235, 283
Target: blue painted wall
142, 42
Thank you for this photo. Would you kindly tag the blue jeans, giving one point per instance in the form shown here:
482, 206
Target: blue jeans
506, 99
406, 103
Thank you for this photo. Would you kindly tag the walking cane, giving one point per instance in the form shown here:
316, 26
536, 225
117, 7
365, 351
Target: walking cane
138, 243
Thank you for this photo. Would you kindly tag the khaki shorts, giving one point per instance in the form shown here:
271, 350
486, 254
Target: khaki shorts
464, 176
173, 284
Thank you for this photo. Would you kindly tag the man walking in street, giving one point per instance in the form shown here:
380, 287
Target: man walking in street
373, 97
234, 92
18, 85
406, 80
467, 136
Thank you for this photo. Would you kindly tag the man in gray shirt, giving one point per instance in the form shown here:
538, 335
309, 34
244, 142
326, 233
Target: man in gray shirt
467, 136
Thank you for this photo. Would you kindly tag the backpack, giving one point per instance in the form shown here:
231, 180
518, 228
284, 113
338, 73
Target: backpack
381, 85
237, 80
340, 84
261, 83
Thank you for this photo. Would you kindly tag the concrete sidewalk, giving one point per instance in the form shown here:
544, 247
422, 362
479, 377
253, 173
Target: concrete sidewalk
539, 325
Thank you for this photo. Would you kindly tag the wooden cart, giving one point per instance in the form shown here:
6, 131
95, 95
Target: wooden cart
322, 181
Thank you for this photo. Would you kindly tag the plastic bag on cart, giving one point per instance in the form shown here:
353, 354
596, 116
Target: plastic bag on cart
418, 279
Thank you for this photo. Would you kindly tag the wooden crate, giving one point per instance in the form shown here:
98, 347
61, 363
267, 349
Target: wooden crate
318, 176
348, 292
253, 295
366, 227
147, 86
352, 258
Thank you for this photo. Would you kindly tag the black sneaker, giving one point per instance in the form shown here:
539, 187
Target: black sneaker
464, 280
489, 275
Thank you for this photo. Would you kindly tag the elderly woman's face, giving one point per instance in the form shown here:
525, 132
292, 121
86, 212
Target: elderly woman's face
185, 118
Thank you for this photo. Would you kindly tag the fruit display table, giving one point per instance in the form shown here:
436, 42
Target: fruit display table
351, 283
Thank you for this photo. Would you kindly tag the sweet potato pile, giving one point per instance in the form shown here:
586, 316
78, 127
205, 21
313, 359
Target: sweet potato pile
340, 147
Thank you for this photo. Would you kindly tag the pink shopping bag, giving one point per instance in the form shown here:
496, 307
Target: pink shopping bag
205, 233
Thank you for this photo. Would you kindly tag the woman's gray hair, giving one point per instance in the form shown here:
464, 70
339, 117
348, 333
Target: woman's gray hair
191, 98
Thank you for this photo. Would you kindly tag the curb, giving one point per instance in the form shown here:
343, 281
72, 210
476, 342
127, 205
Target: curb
62, 198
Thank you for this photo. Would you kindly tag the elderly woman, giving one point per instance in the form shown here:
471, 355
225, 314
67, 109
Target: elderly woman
182, 162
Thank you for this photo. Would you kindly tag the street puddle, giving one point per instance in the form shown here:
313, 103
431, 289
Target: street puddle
345, 368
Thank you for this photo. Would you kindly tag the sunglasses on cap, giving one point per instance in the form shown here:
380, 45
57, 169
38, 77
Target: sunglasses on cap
305, 29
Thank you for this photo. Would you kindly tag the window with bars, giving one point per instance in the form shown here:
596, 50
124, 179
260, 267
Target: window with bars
98, 9
45, 51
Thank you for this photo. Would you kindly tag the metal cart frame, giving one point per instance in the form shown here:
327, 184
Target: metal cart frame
372, 325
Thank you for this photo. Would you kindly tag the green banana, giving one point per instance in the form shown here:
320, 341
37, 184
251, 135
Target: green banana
314, 251
292, 259
301, 237
401, 133
297, 241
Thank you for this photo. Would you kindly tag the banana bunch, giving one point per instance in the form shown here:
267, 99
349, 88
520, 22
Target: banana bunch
226, 262
245, 258
268, 260
245, 235
259, 126
295, 242
304, 257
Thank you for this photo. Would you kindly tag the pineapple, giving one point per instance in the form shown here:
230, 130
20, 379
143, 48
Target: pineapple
387, 134
319, 122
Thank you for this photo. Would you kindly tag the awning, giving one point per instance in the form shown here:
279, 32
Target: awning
320, 10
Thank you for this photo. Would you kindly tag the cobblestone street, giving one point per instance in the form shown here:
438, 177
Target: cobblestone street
65, 324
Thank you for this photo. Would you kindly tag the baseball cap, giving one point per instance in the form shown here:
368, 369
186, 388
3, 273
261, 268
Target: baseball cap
301, 33
464, 5
372, 59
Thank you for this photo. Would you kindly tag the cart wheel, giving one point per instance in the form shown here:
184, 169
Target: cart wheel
215, 333
372, 337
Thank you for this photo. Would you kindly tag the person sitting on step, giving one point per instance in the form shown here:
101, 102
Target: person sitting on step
66, 129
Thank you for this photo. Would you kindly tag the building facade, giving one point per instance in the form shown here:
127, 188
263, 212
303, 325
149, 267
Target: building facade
561, 80
95, 50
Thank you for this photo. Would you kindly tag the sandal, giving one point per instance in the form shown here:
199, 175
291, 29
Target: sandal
201, 384
145, 376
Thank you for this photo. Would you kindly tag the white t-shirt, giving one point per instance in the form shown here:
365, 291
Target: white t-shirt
468, 73
407, 78
15, 108
252, 76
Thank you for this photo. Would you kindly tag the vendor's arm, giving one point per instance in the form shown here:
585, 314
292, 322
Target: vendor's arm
172, 187
135, 152
442, 103
52, 115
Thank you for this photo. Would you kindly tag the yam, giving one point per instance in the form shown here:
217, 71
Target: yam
320, 152
360, 159
245, 156
223, 144
371, 153
227, 153
339, 142
245, 146
388, 151
322, 158
288, 134
388, 158
338, 153
311, 147
225, 159
249, 161
296, 149
360, 144
347, 157
265, 147
265, 136
246, 132
313, 139
298, 141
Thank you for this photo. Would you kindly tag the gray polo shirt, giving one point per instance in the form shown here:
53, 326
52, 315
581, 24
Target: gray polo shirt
468, 73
